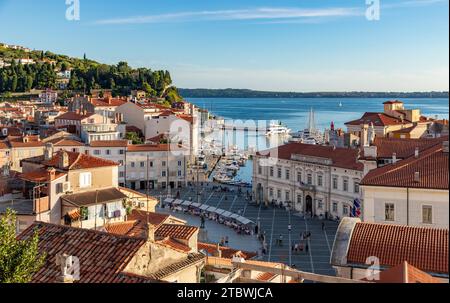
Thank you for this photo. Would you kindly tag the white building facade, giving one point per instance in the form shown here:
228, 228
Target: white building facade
312, 179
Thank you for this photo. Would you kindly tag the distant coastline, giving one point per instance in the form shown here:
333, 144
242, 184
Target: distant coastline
247, 93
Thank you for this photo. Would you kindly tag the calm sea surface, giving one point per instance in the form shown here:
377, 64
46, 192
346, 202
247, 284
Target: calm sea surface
294, 114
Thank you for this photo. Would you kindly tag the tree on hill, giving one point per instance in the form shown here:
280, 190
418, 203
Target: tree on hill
19, 259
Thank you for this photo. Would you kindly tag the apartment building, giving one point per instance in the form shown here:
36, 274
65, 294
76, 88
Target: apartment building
155, 120
412, 191
156, 166
313, 179
73, 121
114, 150
394, 121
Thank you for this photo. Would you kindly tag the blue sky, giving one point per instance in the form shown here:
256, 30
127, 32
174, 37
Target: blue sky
287, 45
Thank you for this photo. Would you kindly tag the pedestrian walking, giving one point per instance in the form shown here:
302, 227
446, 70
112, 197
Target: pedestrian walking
289, 227
281, 240
323, 225
227, 240
306, 247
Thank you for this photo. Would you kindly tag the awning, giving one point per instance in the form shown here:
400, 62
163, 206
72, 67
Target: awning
211, 209
234, 216
204, 207
195, 204
186, 203
177, 202
219, 211
168, 200
226, 214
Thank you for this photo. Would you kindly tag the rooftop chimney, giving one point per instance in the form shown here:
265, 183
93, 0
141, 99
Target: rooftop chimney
66, 263
64, 160
151, 232
394, 158
416, 152
51, 174
48, 153
417, 177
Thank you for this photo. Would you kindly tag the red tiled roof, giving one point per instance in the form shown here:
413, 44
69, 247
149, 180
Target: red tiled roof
103, 257
403, 148
193, 258
107, 102
155, 219
73, 116
148, 147
187, 118
174, 244
111, 143
341, 157
40, 176
266, 276
18, 142
65, 142
404, 273
424, 248
183, 232
432, 166
378, 119
76, 161
227, 252
131, 228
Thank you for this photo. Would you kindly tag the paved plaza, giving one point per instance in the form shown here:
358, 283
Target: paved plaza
273, 221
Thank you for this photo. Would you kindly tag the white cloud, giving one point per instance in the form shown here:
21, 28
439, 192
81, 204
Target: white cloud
239, 14
413, 3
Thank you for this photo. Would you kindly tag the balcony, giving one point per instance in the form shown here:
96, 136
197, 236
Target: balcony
305, 187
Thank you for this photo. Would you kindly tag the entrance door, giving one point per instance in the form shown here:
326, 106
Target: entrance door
309, 204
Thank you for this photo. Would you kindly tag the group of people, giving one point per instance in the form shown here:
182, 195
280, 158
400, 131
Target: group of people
239, 228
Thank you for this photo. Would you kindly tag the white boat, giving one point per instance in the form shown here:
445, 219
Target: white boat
310, 135
340, 104
277, 129
222, 178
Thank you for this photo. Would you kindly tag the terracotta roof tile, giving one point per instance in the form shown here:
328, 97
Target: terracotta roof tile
103, 257
424, 248
404, 273
174, 244
378, 119
192, 259
227, 252
403, 148
76, 161
183, 232
266, 276
131, 228
155, 219
341, 157
40, 176
431, 166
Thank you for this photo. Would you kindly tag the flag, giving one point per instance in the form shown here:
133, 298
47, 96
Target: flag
356, 209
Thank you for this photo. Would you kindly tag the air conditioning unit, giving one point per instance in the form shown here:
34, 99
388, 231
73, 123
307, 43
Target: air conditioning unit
66, 187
